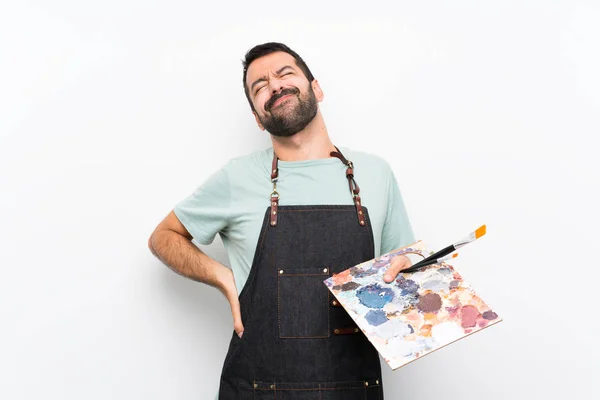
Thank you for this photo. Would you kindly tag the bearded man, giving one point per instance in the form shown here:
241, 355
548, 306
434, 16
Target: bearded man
290, 216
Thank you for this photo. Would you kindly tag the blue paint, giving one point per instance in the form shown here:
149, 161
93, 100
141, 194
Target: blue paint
376, 317
374, 296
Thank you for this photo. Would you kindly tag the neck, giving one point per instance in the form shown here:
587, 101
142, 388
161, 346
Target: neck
311, 143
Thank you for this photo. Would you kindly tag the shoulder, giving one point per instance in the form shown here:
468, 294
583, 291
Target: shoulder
366, 161
247, 171
373, 173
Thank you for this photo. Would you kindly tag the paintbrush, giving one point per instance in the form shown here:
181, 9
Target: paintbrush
439, 256
423, 263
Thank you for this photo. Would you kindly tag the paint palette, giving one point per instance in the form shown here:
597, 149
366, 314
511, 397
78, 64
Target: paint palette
416, 314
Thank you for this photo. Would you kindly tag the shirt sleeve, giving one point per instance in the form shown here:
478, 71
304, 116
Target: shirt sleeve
204, 213
397, 230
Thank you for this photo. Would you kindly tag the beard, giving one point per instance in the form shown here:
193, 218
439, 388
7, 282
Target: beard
288, 120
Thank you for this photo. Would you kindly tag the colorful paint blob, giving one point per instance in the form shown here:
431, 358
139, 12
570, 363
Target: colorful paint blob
429, 303
374, 296
416, 314
347, 286
376, 317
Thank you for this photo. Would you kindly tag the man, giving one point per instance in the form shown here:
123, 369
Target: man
290, 216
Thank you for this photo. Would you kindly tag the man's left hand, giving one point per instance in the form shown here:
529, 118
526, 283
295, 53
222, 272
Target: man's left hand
397, 264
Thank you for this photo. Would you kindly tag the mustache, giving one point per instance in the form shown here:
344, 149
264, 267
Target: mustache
276, 97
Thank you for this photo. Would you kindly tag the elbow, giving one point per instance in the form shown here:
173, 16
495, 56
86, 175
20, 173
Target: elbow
150, 246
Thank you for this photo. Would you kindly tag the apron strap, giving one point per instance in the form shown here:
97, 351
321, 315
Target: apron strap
274, 194
354, 189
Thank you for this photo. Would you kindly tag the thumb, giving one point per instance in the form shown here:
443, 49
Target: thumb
397, 264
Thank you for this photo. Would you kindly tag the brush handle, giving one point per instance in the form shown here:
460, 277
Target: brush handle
419, 265
432, 259
442, 253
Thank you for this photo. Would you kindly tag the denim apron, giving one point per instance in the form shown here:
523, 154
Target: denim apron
298, 342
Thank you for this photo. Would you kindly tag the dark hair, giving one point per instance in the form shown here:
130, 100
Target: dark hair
268, 48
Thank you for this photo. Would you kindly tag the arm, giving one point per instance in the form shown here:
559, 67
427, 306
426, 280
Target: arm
172, 244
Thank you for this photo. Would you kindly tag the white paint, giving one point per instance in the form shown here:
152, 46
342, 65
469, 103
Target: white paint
446, 332
403, 348
393, 328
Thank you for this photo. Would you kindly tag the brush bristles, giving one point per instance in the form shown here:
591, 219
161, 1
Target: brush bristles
480, 232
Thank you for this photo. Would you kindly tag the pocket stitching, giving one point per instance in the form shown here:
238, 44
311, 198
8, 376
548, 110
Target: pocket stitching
279, 309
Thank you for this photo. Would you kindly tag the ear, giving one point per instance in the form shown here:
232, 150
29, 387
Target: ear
261, 127
318, 91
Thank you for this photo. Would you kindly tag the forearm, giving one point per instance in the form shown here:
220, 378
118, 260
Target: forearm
184, 258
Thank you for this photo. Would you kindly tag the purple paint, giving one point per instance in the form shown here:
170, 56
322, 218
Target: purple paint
407, 286
489, 315
357, 272
346, 286
429, 303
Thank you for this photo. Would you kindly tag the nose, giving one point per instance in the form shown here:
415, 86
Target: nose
276, 86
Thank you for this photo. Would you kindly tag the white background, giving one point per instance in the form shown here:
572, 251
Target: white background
113, 111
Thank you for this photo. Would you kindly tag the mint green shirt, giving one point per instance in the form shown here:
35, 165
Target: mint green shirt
233, 201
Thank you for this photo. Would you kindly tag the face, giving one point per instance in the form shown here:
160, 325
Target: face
285, 102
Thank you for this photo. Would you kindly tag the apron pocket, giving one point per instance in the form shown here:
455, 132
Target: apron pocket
303, 303
354, 390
